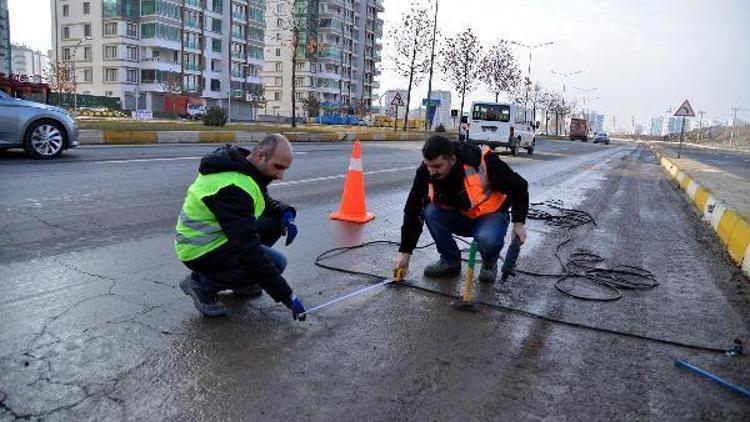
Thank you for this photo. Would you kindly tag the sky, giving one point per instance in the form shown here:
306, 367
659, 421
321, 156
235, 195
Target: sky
643, 57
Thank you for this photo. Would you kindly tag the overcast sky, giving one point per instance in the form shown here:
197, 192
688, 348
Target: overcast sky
643, 56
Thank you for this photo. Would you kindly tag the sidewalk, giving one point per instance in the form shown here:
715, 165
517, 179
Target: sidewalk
126, 137
722, 199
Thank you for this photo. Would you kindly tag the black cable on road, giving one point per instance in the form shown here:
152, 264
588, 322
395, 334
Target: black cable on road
580, 265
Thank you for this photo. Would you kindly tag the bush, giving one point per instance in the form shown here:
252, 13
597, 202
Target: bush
215, 116
440, 128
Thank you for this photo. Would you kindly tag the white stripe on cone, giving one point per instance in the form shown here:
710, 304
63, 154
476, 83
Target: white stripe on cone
355, 164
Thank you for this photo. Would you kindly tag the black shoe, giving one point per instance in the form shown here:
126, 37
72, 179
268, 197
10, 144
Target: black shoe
442, 269
250, 290
204, 299
488, 274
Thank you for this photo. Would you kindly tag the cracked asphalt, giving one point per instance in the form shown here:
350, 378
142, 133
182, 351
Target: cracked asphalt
95, 327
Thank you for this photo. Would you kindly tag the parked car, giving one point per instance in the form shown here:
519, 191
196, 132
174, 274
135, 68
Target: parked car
502, 125
601, 138
195, 111
42, 130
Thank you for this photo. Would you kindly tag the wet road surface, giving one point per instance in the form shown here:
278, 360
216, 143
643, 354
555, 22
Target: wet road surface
95, 327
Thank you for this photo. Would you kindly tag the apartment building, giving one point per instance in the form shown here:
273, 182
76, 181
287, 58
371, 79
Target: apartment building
26, 61
5, 55
141, 50
339, 49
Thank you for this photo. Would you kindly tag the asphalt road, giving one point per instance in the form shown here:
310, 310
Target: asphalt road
95, 327
735, 162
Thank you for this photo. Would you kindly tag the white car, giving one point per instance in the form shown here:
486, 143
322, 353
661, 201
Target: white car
502, 125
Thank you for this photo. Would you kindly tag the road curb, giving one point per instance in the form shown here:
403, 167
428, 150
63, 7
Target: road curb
135, 137
733, 229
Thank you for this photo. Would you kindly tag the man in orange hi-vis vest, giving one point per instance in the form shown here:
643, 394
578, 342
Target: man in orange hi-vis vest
464, 190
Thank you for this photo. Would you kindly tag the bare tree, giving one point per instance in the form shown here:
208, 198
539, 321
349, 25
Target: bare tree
411, 39
312, 105
172, 86
499, 70
256, 96
460, 58
60, 79
292, 16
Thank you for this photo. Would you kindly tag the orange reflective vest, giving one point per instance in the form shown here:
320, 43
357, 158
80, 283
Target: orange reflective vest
483, 199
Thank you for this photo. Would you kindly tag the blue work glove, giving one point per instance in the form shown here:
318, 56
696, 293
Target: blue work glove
296, 306
287, 218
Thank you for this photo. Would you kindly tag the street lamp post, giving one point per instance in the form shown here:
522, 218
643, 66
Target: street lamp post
73, 63
528, 82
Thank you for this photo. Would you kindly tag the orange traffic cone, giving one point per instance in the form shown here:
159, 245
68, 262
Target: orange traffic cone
353, 204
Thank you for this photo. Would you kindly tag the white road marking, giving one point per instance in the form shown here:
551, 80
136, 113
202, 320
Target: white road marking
339, 176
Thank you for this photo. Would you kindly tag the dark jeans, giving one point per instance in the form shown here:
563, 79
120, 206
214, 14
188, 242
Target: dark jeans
222, 269
488, 231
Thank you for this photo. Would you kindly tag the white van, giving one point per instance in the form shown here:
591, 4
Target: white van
502, 125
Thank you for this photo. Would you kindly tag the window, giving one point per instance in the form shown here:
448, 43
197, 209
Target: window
148, 30
278, 67
87, 30
216, 45
132, 52
110, 28
87, 53
277, 96
110, 75
520, 115
215, 85
132, 75
110, 51
87, 75
133, 30
299, 81
278, 52
277, 81
216, 26
66, 32
66, 54
86, 8
108, 93
66, 10
491, 113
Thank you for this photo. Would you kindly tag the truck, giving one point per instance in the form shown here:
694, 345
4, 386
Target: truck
187, 107
579, 129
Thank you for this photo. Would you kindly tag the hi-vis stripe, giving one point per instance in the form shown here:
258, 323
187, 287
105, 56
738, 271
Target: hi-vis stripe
355, 164
208, 232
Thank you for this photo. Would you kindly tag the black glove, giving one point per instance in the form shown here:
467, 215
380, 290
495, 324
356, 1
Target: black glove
298, 310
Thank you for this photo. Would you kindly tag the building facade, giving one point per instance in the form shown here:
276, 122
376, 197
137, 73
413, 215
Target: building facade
25, 61
142, 50
338, 49
5, 54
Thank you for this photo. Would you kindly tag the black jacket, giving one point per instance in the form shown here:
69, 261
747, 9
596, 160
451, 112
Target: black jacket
450, 192
234, 210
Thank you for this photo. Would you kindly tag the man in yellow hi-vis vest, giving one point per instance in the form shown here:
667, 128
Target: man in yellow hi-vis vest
228, 224
468, 191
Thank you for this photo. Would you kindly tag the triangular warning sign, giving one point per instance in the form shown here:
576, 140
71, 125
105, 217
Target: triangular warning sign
397, 101
685, 110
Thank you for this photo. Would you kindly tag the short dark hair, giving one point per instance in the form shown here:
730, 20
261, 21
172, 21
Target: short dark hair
438, 146
268, 144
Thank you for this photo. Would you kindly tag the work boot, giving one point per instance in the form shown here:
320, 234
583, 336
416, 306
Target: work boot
249, 290
442, 269
488, 273
204, 298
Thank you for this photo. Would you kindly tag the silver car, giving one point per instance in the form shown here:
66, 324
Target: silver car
42, 130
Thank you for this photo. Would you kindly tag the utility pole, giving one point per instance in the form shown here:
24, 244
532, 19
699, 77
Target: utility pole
528, 80
734, 126
432, 62
700, 123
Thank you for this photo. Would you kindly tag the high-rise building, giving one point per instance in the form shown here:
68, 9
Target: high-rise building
25, 61
5, 57
141, 50
338, 50
655, 126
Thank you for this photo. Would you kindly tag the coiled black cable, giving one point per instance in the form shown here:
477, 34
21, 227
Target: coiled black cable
581, 264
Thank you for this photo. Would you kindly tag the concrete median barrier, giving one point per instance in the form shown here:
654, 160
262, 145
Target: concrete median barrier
732, 227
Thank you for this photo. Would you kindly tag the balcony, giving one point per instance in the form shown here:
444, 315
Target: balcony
193, 67
192, 24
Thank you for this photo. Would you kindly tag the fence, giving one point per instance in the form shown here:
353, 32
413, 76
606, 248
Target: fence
83, 100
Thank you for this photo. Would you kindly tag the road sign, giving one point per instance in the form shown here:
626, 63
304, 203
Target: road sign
432, 102
685, 110
397, 101
454, 113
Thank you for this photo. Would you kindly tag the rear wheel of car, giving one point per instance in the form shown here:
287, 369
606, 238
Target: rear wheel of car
44, 139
